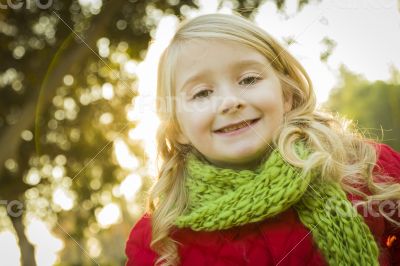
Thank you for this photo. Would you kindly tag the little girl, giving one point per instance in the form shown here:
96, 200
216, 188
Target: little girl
252, 173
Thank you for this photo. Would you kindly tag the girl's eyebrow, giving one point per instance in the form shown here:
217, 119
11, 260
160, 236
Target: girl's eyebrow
194, 78
238, 65
250, 62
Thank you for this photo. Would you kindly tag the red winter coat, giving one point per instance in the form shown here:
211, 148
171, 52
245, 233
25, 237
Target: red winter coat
281, 240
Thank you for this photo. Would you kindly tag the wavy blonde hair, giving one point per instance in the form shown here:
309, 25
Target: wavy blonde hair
341, 154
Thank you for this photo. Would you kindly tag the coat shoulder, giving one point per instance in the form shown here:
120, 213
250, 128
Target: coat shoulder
387, 169
137, 247
388, 162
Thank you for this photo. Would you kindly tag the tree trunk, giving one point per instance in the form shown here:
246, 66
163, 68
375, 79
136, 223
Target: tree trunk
26, 248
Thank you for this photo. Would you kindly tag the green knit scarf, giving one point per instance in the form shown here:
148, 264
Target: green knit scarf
223, 198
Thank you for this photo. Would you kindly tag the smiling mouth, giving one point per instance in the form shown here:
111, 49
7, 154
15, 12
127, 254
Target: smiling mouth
237, 126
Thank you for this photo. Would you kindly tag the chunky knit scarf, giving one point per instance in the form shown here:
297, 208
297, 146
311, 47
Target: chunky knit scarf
223, 198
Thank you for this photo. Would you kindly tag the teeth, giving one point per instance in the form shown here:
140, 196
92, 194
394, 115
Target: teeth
234, 127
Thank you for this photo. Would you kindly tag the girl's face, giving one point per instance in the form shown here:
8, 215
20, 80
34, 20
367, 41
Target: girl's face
229, 102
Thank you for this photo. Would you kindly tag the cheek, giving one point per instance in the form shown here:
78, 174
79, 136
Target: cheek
270, 103
194, 125
199, 115
273, 111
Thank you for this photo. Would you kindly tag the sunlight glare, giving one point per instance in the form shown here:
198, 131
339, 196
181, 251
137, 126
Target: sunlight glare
124, 157
46, 244
107, 91
130, 67
103, 47
144, 108
108, 215
130, 186
33, 177
94, 247
9, 251
63, 198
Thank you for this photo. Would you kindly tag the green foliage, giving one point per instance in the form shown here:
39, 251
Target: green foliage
329, 46
375, 106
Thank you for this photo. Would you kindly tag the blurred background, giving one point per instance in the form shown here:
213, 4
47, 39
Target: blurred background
77, 122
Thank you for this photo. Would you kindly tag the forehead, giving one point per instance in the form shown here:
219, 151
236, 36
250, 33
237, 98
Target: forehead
200, 50
198, 58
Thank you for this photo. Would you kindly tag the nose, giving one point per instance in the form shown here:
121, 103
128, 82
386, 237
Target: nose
231, 104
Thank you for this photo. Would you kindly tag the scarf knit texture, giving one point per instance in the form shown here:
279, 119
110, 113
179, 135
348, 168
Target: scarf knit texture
221, 198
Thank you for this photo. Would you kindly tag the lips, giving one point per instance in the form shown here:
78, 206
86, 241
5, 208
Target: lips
236, 126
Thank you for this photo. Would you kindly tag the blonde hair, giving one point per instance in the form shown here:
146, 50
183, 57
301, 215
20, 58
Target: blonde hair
339, 153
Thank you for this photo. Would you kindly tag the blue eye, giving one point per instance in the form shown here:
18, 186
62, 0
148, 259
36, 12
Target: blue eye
202, 94
250, 80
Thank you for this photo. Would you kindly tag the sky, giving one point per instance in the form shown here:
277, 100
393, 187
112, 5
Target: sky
367, 34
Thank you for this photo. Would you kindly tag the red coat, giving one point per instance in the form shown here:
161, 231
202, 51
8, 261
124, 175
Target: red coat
281, 240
